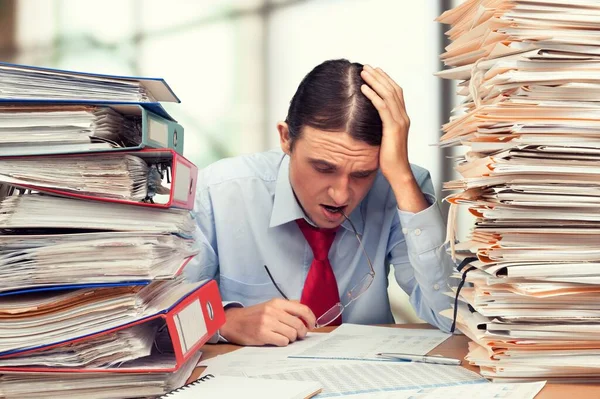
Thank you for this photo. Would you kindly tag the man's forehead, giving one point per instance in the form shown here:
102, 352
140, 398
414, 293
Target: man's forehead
311, 133
340, 141
334, 160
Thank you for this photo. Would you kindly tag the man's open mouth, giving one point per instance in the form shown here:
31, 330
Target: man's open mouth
333, 209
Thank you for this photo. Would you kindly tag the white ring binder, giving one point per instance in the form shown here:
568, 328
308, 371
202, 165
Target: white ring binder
186, 386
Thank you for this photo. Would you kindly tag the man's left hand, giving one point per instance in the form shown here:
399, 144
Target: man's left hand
388, 99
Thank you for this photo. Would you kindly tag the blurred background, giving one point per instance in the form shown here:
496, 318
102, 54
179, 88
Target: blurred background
235, 64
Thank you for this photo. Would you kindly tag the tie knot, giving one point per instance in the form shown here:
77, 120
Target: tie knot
320, 240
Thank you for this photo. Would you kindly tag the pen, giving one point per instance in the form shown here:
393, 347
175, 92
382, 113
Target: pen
421, 358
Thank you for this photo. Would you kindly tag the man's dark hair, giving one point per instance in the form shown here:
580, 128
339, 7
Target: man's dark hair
329, 98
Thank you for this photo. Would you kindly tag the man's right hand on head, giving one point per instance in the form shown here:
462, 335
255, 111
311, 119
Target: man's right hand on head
276, 322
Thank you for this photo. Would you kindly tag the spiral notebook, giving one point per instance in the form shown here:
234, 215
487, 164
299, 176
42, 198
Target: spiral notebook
221, 386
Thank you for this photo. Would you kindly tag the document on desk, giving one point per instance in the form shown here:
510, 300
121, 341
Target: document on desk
358, 342
354, 377
484, 391
263, 358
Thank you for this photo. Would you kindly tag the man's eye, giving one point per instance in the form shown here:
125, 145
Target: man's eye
362, 175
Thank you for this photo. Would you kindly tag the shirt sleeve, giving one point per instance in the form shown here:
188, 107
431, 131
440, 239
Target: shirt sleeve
215, 339
422, 265
205, 265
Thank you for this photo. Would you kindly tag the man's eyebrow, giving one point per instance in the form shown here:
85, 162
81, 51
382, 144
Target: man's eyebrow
364, 172
322, 162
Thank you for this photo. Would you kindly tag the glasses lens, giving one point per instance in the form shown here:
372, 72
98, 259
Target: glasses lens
329, 316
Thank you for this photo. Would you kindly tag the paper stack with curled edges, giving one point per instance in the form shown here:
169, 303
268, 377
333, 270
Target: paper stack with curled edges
528, 72
95, 232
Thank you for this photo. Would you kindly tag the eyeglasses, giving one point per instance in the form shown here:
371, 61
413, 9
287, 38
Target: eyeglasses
352, 295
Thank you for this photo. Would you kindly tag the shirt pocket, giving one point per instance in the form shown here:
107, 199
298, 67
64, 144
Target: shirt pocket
247, 294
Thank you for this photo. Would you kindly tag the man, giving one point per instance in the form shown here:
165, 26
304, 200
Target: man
344, 152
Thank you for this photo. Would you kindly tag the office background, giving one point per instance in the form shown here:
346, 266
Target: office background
235, 64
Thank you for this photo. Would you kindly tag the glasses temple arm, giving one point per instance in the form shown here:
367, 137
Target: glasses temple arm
359, 241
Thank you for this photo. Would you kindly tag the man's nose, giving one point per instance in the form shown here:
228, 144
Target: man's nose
340, 191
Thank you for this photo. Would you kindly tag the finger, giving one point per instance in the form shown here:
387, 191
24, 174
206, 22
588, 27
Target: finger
384, 112
385, 93
380, 78
297, 309
371, 78
295, 323
386, 81
274, 338
391, 82
397, 89
283, 329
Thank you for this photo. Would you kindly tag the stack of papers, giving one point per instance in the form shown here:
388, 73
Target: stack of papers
530, 77
37, 211
19, 82
97, 385
104, 351
95, 230
106, 176
43, 128
36, 321
34, 261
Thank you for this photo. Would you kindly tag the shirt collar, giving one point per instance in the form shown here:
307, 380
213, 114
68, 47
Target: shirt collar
285, 206
287, 209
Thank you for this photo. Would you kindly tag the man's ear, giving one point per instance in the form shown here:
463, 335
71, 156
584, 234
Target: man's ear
284, 137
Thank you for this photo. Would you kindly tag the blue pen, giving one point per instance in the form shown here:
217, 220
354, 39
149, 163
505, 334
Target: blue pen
421, 358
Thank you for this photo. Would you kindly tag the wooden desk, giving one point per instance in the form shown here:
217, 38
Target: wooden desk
455, 346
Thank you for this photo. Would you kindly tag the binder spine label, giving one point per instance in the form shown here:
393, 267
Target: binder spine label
182, 184
190, 325
158, 132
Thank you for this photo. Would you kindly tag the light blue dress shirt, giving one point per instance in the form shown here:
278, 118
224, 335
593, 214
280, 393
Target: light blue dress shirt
246, 211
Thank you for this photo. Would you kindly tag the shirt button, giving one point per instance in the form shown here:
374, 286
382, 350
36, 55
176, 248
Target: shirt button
417, 232
404, 230
436, 287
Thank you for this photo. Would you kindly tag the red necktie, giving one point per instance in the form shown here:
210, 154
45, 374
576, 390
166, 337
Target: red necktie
320, 292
